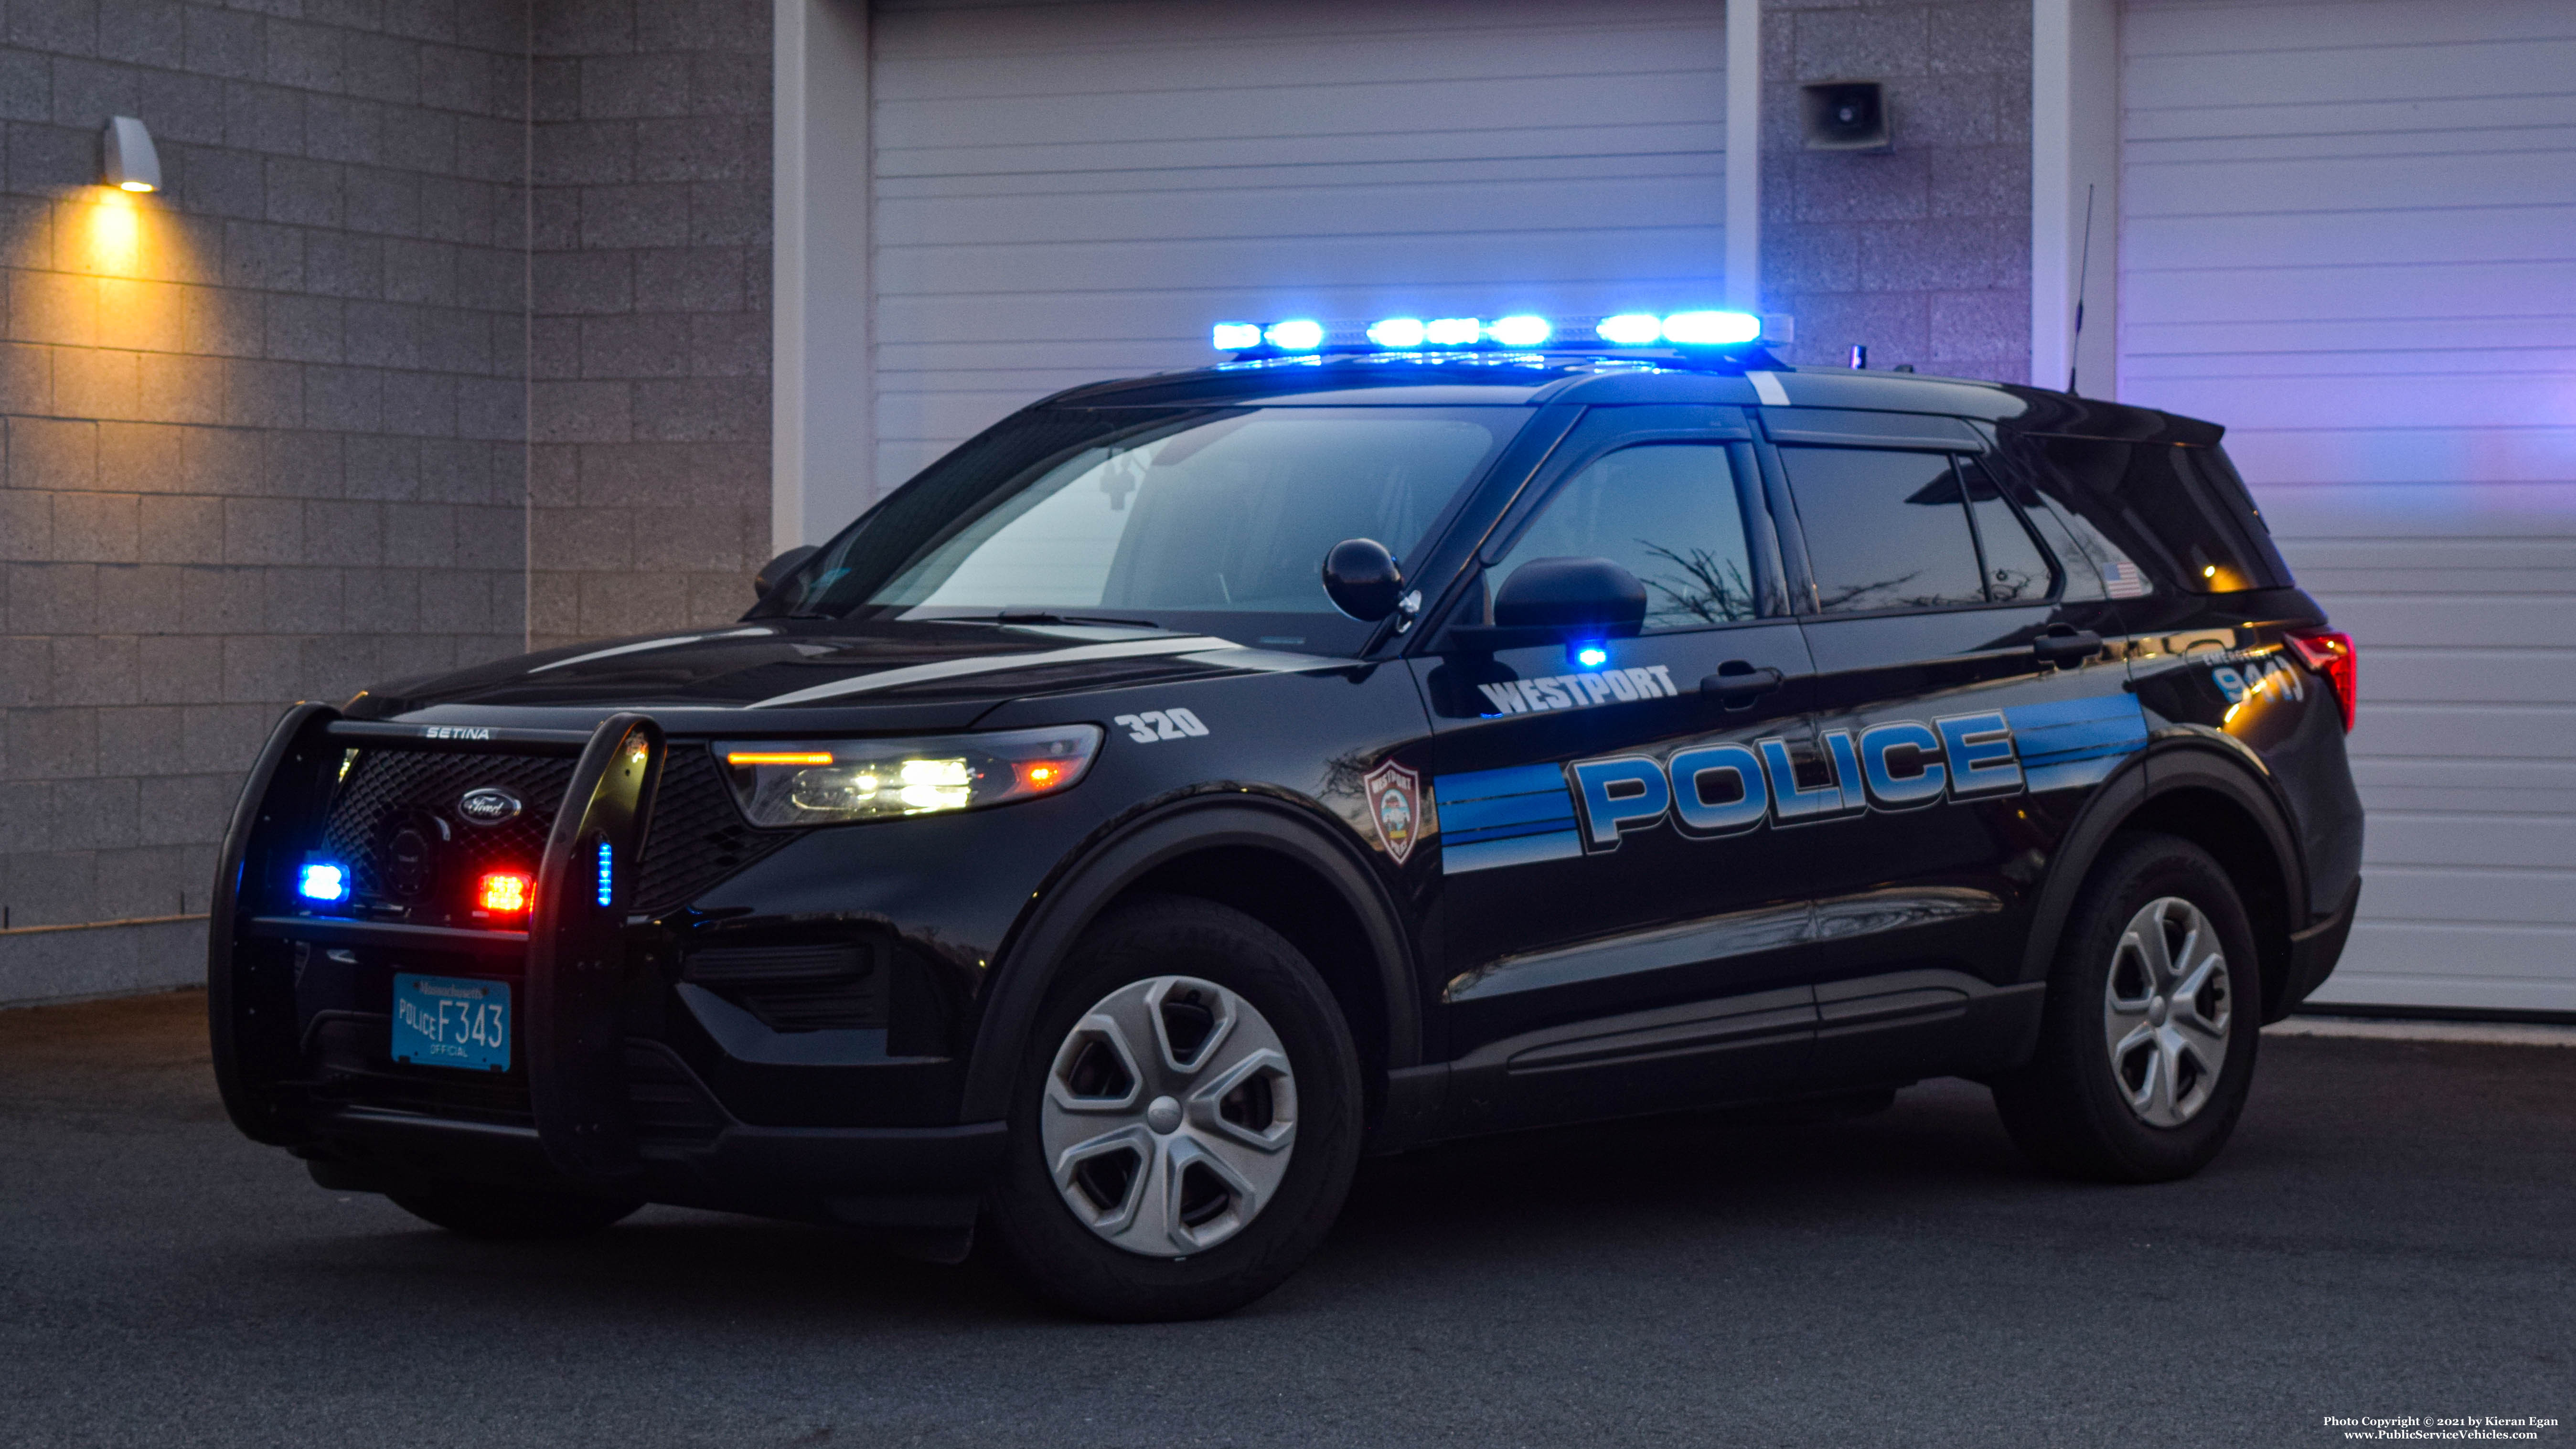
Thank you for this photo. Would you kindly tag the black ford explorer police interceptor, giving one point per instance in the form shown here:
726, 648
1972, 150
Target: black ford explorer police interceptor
1193, 783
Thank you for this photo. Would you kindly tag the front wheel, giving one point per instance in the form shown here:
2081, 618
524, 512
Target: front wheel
1187, 1119
2147, 1041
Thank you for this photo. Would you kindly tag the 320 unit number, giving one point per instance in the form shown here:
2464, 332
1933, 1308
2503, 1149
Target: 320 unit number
1161, 724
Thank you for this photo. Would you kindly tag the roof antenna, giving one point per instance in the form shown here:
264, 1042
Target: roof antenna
2083, 278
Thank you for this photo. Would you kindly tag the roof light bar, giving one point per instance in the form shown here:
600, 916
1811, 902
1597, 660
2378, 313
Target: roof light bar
1521, 331
1303, 334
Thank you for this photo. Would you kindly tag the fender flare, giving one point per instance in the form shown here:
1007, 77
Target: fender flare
2181, 761
1028, 964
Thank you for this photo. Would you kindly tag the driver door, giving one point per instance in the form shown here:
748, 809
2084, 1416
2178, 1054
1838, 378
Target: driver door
1620, 921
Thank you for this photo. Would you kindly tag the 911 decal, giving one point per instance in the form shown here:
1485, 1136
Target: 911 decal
1492, 818
2270, 678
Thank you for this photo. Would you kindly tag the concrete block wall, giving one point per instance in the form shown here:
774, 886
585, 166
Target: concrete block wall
1921, 253
649, 399
264, 431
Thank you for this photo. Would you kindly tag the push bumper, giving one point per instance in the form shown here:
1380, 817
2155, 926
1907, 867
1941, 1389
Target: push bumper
595, 1108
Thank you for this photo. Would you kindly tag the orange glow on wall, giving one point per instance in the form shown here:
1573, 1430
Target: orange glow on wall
112, 235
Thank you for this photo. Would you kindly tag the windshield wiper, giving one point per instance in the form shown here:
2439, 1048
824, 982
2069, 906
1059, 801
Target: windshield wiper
1042, 616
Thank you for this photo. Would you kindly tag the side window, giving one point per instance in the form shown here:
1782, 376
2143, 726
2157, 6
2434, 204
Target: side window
1665, 512
2017, 569
1885, 530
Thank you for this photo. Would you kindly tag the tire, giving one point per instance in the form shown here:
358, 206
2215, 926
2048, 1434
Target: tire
2156, 1111
479, 1210
1118, 1201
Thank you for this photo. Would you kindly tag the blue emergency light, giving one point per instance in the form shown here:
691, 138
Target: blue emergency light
323, 880
1522, 331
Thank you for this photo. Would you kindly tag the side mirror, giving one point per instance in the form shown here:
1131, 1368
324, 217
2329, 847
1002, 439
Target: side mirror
1362, 579
775, 572
1559, 601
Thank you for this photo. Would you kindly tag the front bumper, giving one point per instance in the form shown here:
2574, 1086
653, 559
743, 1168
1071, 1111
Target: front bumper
609, 1085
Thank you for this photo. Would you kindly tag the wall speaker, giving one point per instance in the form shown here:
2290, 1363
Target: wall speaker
1845, 116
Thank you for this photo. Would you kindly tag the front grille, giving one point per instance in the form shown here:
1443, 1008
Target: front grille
352, 1052
830, 987
388, 793
698, 836
349, 1054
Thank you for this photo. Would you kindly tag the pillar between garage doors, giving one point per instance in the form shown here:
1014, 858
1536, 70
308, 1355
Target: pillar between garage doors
822, 429
2075, 144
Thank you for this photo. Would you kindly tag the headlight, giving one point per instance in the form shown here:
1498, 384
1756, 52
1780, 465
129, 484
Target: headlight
826, 782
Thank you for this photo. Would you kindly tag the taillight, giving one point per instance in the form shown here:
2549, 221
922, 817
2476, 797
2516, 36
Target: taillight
2332, 655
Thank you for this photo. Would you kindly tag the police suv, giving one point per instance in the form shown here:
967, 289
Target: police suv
1399, 732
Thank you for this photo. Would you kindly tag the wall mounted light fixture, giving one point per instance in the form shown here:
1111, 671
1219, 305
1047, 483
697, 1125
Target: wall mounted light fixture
132, 164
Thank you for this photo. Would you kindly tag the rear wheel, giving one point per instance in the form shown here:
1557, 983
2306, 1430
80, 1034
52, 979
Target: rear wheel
1187, 1119
480, 1210
2147, 1045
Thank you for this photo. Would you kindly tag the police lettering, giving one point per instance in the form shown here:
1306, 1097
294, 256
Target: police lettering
1712, 790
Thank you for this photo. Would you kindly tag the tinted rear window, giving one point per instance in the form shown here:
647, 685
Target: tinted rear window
2170, 508
1885, 530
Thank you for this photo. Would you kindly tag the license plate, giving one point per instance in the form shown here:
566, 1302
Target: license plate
452, 1021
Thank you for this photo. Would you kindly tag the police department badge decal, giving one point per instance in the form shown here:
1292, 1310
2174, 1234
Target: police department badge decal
1395, 805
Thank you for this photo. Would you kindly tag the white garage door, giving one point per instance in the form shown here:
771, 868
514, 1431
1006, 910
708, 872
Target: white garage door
1071, 191
2349, 234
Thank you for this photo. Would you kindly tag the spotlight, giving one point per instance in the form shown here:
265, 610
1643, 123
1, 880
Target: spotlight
132, 164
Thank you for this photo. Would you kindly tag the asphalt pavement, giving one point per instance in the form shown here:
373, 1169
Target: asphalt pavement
2393, 1232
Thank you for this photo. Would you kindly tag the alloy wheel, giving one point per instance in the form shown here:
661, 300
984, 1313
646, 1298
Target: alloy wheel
2166, 1011
1170, 1116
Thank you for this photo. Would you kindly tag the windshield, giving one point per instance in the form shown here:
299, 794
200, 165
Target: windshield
1213, 521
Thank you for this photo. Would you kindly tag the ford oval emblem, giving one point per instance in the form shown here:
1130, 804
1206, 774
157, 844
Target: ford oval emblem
489, 805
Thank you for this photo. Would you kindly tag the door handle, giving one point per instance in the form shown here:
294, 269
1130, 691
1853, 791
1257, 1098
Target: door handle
1737, 684
2064, 645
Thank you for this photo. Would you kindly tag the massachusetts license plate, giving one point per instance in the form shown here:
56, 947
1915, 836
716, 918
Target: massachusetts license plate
451, 1021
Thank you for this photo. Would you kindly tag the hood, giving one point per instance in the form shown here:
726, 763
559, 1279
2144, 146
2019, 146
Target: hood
778, 674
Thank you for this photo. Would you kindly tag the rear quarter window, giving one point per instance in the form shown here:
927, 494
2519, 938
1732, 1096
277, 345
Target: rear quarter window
2168, 507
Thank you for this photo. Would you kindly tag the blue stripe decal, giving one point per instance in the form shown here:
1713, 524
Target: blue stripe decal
1519, 850
1485, 784
1501, 832
2074, 742
1495, 818
1554, 808
2070, 776
2100, 706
